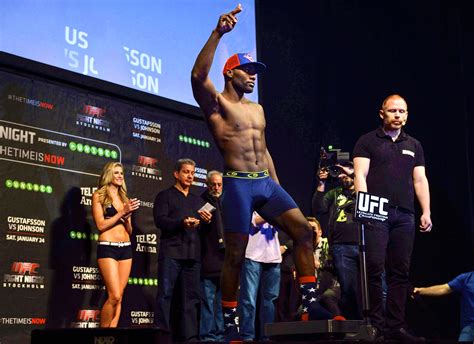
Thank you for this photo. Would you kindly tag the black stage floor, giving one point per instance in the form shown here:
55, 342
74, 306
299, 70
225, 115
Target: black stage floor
152, 335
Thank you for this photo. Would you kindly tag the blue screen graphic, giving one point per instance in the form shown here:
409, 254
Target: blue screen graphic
149, 45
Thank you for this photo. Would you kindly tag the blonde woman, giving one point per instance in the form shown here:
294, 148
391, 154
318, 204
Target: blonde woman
111, 210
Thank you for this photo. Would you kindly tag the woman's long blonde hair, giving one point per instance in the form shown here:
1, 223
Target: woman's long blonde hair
105, 180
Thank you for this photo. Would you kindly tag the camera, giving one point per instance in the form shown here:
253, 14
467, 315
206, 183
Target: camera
329, 160
334, 171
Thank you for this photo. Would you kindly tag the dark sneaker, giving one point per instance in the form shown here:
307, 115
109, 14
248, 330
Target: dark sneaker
403, 336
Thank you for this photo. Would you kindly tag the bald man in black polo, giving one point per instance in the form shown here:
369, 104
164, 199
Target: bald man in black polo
390, 163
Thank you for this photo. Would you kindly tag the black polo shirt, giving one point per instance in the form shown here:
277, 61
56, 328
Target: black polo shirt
170, 209
391, 165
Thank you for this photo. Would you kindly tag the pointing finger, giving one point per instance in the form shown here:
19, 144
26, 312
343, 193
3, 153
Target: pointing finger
236, 10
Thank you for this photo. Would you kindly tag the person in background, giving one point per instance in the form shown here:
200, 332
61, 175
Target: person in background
111, 211
343, 235
211, 325
261, 272
463, 284
178, 214
328, 285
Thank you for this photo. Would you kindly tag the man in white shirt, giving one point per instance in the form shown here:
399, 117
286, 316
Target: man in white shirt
261, 270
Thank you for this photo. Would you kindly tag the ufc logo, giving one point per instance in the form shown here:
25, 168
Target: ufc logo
22, 268
368, 203
147, 161
87, 315
94, 111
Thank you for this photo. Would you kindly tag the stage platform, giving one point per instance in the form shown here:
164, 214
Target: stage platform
153, 335
319, 329
326, 331
101, 336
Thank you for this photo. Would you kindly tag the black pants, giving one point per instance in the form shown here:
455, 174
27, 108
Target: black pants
389, 245
288, 298
188, 272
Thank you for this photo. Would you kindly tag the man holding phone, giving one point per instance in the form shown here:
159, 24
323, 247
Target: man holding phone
211, 326
178, 214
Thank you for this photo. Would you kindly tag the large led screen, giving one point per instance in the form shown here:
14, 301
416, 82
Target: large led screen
148, 45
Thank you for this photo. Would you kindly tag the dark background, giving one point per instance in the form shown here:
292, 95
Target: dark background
330, 65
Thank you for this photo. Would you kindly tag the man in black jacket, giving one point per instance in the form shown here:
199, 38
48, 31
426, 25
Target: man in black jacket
343, 236
178, 214
211, 326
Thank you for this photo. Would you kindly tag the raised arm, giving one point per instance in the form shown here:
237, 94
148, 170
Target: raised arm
104, 224
203, 89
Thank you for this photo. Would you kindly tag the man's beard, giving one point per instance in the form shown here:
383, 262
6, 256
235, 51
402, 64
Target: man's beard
215, 194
